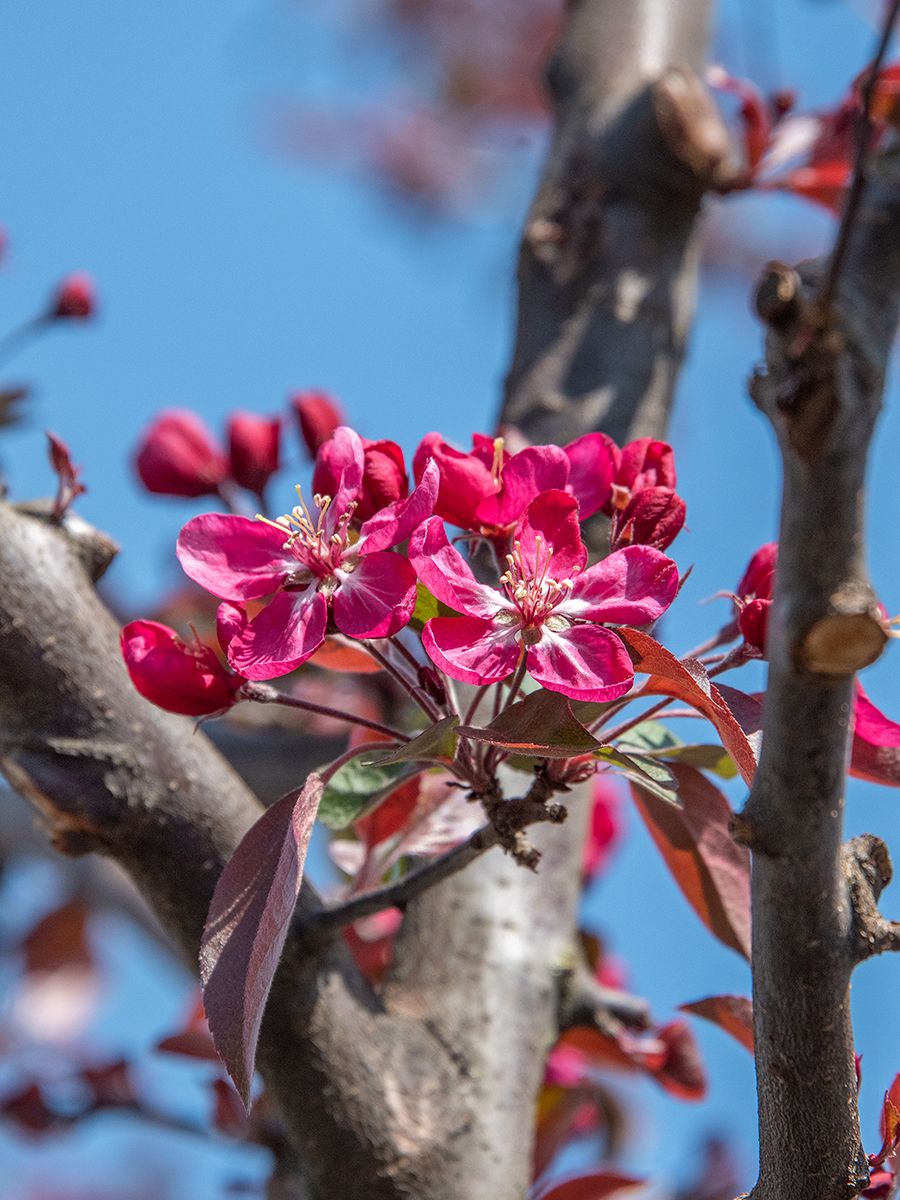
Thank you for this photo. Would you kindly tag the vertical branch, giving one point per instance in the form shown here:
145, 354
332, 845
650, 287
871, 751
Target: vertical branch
606, 276
607, 260
822, 391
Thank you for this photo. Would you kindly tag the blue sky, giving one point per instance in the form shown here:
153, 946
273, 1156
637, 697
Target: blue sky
135, 148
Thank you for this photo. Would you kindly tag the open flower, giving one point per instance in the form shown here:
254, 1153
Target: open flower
311, 563
488, 490
548, 607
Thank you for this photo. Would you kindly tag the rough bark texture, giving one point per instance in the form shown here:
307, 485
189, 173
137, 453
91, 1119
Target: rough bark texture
614, 216
822, 390
606, 265
367, 1097
428, 1093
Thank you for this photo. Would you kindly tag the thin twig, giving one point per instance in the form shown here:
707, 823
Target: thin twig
508, 819
860, 169
263, 694
400, 893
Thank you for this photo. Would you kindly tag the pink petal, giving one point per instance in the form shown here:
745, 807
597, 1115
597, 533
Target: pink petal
528, 473
340, 462
633, 586
281, 637
395, 523
231, 620
584, 662
593, 462
553, 517
465, 478
472, 650
233, 557
377, 598
446, 573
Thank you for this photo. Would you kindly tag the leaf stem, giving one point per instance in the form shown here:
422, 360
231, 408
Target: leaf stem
263, 694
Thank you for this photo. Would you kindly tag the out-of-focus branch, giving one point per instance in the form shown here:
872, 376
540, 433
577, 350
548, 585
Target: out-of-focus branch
606, 277
511, 818
368, 1097
607, 261
822, 391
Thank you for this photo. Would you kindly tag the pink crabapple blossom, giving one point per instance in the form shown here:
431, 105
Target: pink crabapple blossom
548, 608
312, 564
487, 490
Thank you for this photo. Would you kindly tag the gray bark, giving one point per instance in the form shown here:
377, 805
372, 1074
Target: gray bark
822, 390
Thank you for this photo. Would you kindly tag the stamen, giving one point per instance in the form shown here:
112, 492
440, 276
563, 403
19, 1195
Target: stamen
497, 464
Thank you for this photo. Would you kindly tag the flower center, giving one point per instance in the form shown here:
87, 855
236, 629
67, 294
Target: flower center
307, 533
531, 588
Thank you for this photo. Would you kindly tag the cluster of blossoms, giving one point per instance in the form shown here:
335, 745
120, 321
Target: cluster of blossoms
355, 557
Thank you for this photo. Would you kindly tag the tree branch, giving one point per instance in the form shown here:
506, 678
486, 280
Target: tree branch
513, 817
606, 278
607, 261
110, 772
822, 392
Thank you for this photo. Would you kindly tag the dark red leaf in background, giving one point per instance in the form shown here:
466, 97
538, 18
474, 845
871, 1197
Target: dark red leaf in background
734, 1014
710, 868
247, 925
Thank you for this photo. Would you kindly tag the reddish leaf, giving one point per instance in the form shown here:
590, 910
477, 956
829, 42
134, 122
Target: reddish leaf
371, 942
875, 752
338, 654
562, 1114
29, 1109
734, 1014
890, 1126
595, 1186
228, 1112
247, 925
682, 1072
687, 680
711, 869
59, 940
194, 1039
192, 1043
391, 814
543, 725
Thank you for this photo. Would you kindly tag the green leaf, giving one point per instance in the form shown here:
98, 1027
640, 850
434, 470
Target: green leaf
650, 735
426, 604
707, 758
543, 725
652, 775
437, 743
654, 739
356, 788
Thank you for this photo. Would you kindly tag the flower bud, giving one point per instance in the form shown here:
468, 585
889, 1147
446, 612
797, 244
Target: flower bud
178, 456
181, 677
653, 517
318, 415
384, 476
74, 297
645, 463
758, 579
253, 444
753, 622
466, 479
